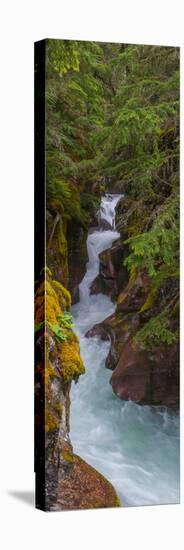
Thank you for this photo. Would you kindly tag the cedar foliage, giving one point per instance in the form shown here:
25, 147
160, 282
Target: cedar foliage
112, 121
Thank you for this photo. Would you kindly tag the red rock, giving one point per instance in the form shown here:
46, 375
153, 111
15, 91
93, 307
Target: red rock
148, 377
83, 487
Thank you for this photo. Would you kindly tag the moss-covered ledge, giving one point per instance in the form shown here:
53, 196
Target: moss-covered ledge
69, 482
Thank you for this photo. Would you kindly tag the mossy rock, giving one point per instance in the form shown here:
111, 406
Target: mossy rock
63, 294
60, 359
57, 250
46, 304
71, 365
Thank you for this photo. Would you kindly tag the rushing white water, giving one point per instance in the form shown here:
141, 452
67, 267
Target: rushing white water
135, 447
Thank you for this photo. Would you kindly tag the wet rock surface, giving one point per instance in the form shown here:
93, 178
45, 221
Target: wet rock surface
64, 481
146, 376
112, 274
82, 487
77, 259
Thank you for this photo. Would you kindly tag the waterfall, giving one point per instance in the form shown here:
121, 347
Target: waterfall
135, 447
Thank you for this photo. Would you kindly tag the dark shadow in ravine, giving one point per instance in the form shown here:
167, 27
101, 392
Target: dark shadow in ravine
28, 497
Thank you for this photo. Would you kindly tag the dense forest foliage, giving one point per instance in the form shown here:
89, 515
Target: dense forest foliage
112, 124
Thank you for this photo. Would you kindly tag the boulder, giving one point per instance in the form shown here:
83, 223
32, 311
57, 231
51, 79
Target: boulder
104, 285
104, 224
112, 275
148, 377
83, 487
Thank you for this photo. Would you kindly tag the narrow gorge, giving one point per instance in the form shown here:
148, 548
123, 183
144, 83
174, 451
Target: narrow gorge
107, 378
135, 447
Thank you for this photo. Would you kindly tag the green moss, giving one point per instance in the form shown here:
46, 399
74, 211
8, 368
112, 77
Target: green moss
56, 205
156, 332
117, 503
67, 456
132, 279
71, 364
46, 272
46, 304
57, 249
62, 247
66, 351
63, 294
51, 423
149, 300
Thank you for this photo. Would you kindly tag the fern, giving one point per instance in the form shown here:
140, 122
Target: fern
155, 332
159, 244
58, 332
65, 321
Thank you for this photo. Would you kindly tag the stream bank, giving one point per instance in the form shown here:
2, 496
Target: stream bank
135, 447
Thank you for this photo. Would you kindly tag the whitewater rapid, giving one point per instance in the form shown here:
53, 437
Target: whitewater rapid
135, 447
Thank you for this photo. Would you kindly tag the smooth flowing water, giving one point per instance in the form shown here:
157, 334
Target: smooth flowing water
134, 447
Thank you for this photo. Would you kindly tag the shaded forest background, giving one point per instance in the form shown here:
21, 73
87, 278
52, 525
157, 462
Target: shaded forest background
112, 125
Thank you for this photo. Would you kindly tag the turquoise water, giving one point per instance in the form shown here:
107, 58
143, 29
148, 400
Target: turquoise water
135, 447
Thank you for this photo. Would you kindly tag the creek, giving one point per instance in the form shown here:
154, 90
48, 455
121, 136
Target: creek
135, 447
